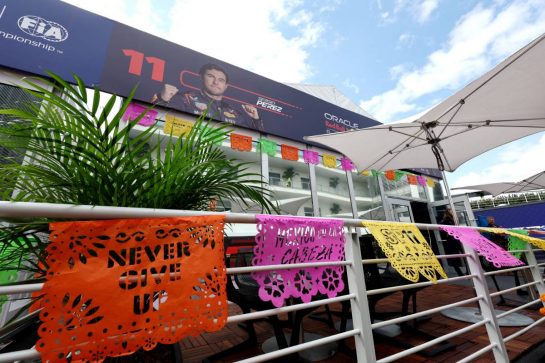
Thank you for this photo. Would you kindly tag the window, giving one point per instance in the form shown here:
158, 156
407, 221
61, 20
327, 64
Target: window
309, 212
305, 183
12, 97
274, 178
368, 198
223, 206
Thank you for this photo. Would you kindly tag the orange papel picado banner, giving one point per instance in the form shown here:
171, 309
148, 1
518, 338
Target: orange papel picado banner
116, 286
241, 142
390, 174
289, 152
407, 250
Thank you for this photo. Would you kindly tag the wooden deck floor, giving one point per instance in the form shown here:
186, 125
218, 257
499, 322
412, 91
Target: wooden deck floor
198, 348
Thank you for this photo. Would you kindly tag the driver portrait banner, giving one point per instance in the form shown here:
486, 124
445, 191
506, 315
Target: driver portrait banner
116, 286
37, 36
284, 240
407, 250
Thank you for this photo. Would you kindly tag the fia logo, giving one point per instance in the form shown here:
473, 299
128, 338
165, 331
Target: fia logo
41, 28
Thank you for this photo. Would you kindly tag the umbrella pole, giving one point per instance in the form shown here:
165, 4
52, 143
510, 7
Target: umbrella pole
450, 201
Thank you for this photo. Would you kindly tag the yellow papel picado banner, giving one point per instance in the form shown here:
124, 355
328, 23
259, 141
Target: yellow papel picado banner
407, 250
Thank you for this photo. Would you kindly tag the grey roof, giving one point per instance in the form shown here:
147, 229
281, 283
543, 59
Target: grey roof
332, 95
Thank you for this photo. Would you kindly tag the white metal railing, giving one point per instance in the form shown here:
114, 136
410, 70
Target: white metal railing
357, 294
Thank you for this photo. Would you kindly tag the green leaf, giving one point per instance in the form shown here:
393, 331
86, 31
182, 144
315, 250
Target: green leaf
77, 152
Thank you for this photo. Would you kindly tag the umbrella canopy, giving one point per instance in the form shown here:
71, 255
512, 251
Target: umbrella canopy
505, 104
534, 182
490, 188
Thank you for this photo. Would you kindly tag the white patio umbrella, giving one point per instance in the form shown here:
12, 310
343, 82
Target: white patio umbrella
489, 188
535, 182
505, 104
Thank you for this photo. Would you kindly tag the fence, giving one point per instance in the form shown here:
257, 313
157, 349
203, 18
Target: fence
509, 199
358, 294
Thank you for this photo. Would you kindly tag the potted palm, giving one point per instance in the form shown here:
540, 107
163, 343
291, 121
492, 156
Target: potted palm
77, 152
335, 208
333, 182
288, 175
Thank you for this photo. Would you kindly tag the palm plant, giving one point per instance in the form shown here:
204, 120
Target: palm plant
288, 175
77, 152
335, 208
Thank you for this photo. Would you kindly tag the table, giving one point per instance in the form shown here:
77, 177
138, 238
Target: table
473, 315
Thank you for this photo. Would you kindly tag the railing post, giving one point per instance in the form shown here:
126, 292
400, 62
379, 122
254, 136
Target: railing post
486, 306
383, 198
534, 269
361, 318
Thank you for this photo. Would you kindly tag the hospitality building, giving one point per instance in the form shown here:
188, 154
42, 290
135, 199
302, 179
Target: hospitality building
314, 181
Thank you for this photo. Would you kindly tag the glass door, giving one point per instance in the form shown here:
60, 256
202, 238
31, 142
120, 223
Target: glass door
399, 210
462, 206
463, 211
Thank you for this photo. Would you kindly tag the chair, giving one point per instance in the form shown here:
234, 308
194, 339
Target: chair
500, 240
375, 279
243, 290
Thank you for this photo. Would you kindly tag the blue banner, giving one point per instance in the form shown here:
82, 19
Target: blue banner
41, 35
44, 35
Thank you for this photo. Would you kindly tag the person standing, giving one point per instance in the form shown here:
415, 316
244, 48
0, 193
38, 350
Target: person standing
502, 241
452, 245
497, 238
210, 99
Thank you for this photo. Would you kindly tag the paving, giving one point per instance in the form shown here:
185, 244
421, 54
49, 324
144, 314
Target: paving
196, 349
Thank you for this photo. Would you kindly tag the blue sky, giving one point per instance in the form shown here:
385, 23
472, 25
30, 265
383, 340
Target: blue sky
395, 58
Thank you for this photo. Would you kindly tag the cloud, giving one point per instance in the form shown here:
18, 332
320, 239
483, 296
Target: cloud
405, 40
420, 11
349, 84
249, 34
140, 14
396, 70
480, 39
330, 6
424, 9
386, 16
515, 162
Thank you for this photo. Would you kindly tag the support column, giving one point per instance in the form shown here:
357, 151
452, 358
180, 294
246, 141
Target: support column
486, 306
